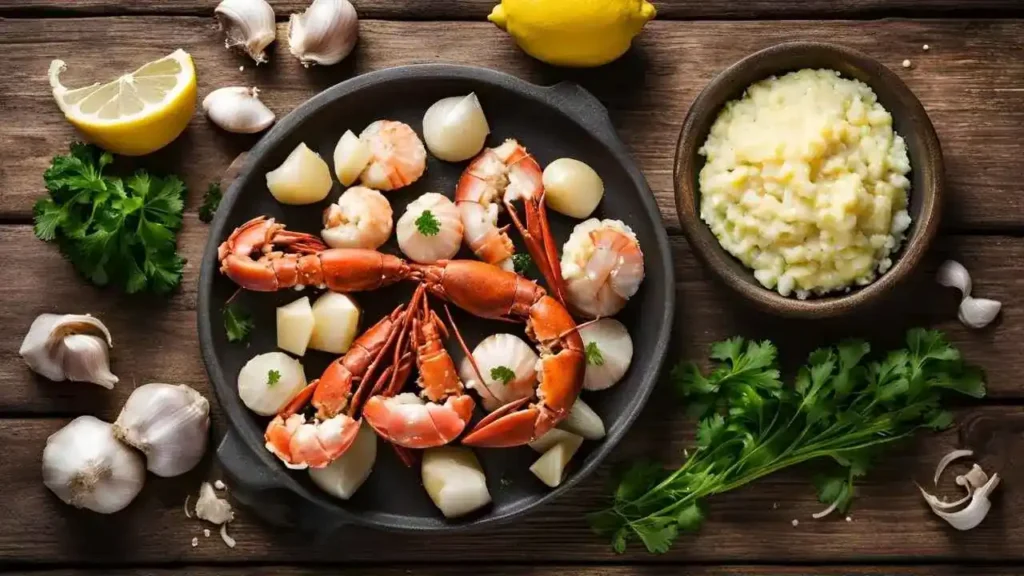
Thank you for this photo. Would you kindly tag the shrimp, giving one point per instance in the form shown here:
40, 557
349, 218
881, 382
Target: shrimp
602, 266
430, 230
398, 157
361, 218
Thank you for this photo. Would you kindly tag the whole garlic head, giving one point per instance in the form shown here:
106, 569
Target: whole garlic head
85, 466
69, 347
325, 33
248, 25
238, 109
169, 424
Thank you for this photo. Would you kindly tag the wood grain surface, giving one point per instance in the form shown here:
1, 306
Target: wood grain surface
564, 570
478, 9
969, 81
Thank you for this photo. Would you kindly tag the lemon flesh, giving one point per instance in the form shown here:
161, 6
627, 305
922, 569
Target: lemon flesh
137, 113
577, 33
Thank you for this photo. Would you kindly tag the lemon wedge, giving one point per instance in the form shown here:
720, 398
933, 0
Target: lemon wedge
137, 113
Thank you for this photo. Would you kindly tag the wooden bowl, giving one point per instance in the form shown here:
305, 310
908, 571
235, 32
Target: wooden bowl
910, 121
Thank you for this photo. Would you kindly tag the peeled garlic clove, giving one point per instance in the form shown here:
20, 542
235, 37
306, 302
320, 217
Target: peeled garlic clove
51, 349
85, 466
248, 25
325, 33
303, 178
952, 274
351, 155
238, 109
572, 188
455, 128
978, 312
169, 424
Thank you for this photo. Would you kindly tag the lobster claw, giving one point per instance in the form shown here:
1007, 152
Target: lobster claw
508, 426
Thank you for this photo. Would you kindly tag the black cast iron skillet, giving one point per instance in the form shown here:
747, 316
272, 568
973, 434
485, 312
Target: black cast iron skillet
563, 120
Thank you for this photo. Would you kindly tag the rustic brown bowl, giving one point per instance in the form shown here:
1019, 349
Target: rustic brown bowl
910, 120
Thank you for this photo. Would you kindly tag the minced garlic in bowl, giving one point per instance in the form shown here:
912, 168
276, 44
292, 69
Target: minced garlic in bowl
805, 183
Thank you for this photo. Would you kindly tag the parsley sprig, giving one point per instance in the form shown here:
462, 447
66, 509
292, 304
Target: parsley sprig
114, 231
593, 354
428, 224
211, 201
503, 374
273, 377
841, 409
238, 322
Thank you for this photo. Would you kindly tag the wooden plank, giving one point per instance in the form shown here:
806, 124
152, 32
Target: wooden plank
566, 570
888, 523
478, 9
970, 81
155, 339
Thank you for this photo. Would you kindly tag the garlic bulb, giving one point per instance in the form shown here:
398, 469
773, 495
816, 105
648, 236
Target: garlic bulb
609, 351
169, 424
238, 109
248, 25
69, 347
325, 33
973, 312
85, 466
455, 128
508, 366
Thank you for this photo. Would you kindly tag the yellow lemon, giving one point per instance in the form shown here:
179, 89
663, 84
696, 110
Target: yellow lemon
137, 113
578, 33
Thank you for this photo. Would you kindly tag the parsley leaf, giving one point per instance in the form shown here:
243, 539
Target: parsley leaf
113, 230
841, 410
273, 377
237, 322
521, 263
593, 354
503, 374
428, 224
211, 200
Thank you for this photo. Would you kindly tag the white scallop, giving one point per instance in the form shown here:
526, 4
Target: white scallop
505, 350
424, 248
615, 349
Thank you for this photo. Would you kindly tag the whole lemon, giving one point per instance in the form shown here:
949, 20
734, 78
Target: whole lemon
580, 33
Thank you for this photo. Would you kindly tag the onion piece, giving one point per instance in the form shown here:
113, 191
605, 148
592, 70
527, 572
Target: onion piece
947, 460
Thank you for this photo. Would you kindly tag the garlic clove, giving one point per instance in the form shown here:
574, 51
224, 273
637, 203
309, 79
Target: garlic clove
85, 466
978, 485
952, 274
211, 508
303, 178
325, 33
248, 25
169, 424
43, 355
978, 312
238, 109
455, 128
975, 512
85, 360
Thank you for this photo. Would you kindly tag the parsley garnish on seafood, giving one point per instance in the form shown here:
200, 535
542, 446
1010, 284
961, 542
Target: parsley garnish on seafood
273, 376
593, 353
237, 322
841, 410
503, 374
114, 231
427, 224
521, 263
211, 200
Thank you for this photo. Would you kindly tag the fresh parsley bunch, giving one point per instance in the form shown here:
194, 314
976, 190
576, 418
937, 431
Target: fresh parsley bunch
841, 408
115, 231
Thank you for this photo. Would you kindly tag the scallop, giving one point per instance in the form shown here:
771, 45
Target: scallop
430, 230
609, 351
508, 366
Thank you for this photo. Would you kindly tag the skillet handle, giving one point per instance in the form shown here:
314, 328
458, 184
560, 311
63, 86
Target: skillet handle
254, 487
576, 101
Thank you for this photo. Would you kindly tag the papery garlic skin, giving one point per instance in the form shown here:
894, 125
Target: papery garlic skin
325, 33
85, 466
238, 109
455, 128
169, 424
69, 347
211, 508
248, 25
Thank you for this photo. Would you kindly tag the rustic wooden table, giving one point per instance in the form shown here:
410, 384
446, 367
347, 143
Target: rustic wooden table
971, 81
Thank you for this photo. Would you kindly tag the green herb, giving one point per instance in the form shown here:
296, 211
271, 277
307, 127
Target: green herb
273, 377
211, 200
594, 356
842, 409
502, 373
237, 322
522, 262
427, 224
114, 231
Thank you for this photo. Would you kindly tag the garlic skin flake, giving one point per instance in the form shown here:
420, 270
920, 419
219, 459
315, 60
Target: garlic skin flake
169, 424
248, 25
85, 466
974, 312
211, 508
69, 347
978, 486
325, 33
238, 109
